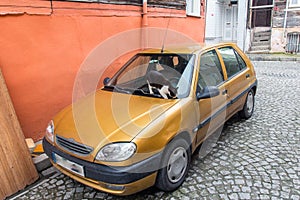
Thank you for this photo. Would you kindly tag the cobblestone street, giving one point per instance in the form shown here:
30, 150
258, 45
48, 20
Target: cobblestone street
254, 159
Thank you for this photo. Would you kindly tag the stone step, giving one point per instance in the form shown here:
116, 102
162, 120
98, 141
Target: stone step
261, 39
264, 33
41, 162
258, 52
260, 48
260, 43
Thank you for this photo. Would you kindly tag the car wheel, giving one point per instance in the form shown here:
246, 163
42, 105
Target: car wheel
175, 164
248, 108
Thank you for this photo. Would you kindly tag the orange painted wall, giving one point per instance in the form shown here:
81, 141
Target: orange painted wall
42, 49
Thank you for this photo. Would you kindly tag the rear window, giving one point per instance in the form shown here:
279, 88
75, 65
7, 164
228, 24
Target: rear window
232, 60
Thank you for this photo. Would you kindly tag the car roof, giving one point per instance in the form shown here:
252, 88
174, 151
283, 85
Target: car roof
184, 49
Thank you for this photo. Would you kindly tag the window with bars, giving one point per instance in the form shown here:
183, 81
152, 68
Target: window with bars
193, 8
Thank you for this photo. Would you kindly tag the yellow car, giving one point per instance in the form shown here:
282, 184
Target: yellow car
142, 127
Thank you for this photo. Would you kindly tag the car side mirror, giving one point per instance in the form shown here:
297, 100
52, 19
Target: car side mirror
208, 92
106, 80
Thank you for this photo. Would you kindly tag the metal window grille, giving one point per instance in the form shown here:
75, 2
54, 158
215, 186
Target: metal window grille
293, 42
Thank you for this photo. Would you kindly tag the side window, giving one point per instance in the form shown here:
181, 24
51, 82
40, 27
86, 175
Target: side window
232, 60
210, 73
242, 63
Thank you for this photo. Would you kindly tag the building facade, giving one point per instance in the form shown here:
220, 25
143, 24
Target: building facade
44, 43
286, 26
226, 21
255, 25
271, 25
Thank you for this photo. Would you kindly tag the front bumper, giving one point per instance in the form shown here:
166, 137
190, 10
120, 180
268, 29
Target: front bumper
104, 177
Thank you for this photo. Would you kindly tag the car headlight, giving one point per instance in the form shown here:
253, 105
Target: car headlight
50, 131
115, 152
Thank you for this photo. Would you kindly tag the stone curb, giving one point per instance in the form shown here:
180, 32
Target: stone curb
273, 57
41, 162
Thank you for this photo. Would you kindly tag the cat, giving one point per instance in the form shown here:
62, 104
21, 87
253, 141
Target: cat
157, 81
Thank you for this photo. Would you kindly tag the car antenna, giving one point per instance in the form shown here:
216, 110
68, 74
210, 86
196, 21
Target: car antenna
165, 36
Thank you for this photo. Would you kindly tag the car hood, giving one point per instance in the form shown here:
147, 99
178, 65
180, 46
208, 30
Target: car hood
105, 117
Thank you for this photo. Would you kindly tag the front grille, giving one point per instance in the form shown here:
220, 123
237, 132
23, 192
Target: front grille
72, 146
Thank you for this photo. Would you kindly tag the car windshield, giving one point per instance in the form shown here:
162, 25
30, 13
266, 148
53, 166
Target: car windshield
157, 75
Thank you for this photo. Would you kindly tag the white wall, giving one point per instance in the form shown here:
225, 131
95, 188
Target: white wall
242, 22
214, 22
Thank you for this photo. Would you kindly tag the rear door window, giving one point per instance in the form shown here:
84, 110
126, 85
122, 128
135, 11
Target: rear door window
232, 60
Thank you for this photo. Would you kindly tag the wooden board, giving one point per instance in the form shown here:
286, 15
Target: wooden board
16, 166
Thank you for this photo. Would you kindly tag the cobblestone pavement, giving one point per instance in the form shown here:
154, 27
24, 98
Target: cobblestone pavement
254, 159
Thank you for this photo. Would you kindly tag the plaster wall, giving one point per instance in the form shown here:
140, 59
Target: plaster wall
43, 46
279, 32
279, 39
215, 22
214, 25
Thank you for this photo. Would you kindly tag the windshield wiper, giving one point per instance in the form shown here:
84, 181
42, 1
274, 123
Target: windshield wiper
108, 87
117, 89
131, 91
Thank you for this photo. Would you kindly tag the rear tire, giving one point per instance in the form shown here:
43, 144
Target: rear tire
175, 165
248, 108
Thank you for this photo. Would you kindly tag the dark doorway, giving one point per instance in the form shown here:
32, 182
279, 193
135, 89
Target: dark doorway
261, 14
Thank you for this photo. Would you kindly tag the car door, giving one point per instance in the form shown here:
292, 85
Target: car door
212, 110
237, 75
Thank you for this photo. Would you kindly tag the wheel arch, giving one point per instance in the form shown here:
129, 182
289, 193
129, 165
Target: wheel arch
161, 182
254, 89
183, 135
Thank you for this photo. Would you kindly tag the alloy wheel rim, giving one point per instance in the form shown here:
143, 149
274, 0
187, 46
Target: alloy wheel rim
177, 164
250, 101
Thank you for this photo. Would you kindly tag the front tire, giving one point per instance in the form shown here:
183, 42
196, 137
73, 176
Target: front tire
248, 108
175, 165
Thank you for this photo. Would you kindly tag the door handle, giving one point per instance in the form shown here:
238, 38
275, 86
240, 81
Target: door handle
247, 75
224, 92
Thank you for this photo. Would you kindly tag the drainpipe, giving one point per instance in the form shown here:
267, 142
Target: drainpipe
285, 18
145, 24
145, 14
